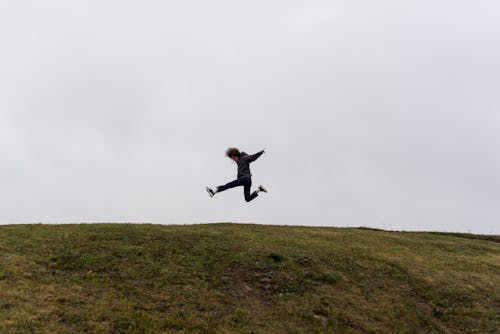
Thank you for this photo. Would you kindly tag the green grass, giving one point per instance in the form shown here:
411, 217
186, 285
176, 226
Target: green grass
228, 278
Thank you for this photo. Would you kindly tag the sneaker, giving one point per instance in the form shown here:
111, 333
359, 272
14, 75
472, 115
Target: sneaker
261, 188
210, 192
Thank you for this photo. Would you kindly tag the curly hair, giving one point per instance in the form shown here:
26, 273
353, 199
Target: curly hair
233, 152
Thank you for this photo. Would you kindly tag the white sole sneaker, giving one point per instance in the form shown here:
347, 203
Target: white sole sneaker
210, 191
261, 188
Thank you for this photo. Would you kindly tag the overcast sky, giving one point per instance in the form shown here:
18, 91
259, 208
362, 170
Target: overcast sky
374, 113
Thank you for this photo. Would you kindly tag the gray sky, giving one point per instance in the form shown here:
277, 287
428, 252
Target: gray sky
374, 113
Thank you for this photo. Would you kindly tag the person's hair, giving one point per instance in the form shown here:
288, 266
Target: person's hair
232, 152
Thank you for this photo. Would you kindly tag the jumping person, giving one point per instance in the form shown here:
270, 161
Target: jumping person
244, 178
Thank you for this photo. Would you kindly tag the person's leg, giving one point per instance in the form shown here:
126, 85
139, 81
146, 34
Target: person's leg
232, 184
246, 190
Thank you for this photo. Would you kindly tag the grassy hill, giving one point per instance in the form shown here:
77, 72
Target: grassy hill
227, 278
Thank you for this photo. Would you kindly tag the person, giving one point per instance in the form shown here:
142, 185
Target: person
244, 177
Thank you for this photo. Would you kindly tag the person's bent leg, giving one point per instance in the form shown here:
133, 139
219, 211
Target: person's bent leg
246, 190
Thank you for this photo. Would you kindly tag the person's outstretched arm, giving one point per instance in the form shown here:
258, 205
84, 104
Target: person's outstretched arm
253, 157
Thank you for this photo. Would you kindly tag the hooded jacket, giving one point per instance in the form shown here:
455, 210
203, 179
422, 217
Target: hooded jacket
244, 161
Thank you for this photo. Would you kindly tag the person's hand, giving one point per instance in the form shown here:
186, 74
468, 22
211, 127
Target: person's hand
263, 151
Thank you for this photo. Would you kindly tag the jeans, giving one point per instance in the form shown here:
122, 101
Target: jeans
246, 182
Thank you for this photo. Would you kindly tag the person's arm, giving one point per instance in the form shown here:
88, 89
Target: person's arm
253, 157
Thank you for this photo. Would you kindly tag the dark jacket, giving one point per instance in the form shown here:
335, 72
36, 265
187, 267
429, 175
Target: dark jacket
244, 161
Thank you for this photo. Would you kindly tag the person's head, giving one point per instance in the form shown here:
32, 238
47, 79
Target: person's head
233, 153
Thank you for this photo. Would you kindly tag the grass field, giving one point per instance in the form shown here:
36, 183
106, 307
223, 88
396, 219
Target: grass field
229, 278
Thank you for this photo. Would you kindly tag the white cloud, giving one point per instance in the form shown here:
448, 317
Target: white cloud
378, 114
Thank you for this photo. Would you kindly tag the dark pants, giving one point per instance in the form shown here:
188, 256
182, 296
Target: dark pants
246, 182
